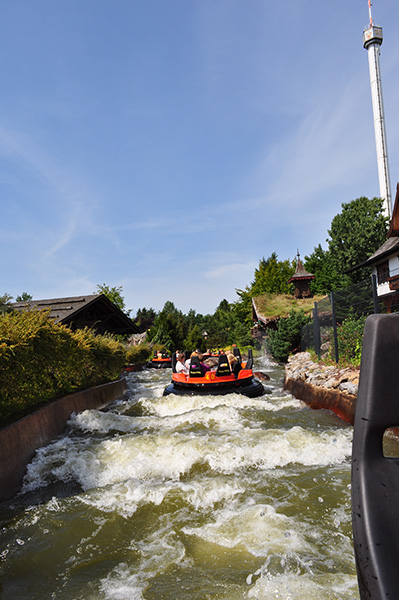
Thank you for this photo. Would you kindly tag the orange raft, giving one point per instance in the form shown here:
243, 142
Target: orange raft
218, 382
160, 363
160, 360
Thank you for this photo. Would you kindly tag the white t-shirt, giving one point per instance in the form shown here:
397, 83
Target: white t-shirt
181, 368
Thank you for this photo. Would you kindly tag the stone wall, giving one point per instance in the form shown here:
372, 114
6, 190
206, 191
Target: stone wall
20, 440
322, 386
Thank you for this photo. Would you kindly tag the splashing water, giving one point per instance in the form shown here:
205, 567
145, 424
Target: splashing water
211, 497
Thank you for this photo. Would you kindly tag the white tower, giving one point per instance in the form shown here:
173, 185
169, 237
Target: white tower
372, 40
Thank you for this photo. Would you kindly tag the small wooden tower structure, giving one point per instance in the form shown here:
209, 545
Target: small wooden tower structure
301, 279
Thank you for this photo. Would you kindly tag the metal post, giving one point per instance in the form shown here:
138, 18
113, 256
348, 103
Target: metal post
316, 331
334, 323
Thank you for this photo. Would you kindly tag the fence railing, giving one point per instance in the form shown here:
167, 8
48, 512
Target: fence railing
357, 300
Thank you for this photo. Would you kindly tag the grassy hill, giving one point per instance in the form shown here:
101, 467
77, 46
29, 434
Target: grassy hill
272, 306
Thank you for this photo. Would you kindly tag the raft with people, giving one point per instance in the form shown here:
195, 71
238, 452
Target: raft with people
230, 375
160, 360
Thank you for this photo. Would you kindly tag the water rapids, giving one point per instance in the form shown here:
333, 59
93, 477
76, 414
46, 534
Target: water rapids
211, 497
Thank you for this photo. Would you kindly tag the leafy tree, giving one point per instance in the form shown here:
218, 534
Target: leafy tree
243, 307
115, 295
287, 338
272, 276
241, 335
145, 318
355, 234
327, 278
168, 328
194, 339
24, 297
5, 303
162, 335
221, 325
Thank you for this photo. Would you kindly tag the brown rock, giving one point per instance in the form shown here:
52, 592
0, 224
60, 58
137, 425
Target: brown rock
261, 376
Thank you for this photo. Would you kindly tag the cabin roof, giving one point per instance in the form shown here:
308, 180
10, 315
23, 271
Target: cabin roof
95, 311
300, 273
394, 225
390, 246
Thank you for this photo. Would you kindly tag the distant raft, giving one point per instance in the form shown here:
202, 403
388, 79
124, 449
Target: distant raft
218, 382
160, 361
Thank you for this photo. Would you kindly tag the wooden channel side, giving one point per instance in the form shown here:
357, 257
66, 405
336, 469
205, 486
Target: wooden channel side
20, 440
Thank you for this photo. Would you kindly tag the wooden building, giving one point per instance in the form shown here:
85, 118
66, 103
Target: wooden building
96, 312
385, 263
301, 279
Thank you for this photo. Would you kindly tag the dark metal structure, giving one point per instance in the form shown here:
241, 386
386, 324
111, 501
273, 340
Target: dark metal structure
375, 477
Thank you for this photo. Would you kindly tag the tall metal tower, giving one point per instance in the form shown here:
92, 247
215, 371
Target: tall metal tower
372, 40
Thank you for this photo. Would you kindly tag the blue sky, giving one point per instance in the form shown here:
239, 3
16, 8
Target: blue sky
166, 146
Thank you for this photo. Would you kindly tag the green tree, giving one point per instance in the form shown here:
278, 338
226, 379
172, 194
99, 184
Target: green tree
355, 234
194, 339
241, 335
145, 318
5, 303
287, 338
221, 325
168, 328
327, 278
243, 307
24, 297
272, 276
115, 295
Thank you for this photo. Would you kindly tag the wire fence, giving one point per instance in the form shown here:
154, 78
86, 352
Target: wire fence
358, 300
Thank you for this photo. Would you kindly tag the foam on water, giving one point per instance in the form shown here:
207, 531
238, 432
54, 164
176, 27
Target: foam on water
121, 584
257, 528
125, 498
102, 422
241, 497
307, 586
167, 454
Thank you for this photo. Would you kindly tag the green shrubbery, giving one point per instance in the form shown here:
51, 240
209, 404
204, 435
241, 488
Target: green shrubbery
41, 360
287, 338
139, 354
350, 340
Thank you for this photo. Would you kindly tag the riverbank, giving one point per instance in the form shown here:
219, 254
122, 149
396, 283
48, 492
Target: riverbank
323, 386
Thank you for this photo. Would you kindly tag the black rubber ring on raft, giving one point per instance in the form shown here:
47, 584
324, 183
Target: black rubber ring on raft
375, 479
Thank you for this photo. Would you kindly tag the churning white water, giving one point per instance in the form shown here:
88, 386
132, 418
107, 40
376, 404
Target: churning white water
178, 497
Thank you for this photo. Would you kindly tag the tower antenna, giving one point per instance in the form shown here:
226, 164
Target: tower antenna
372, 40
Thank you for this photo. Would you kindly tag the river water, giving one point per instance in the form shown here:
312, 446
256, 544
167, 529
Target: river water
194, 498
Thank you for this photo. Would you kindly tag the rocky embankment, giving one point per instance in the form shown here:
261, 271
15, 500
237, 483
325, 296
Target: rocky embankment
323, 386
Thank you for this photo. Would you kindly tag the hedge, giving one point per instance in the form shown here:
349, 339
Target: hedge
41, 360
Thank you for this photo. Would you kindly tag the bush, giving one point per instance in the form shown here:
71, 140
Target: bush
287, 338
350, 340
139, 354
41, 360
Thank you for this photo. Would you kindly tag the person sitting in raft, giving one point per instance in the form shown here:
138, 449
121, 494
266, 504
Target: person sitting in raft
180, 366
188, 361
204, 367
234, 365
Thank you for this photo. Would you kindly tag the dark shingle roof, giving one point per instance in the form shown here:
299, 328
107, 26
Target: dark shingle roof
95, 311
391, 245
300, 273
